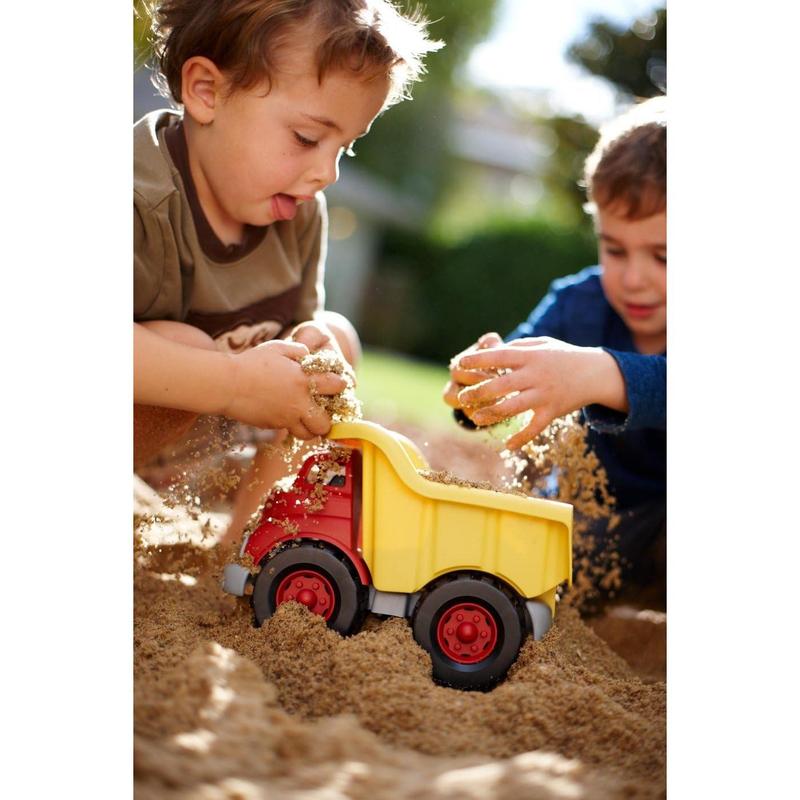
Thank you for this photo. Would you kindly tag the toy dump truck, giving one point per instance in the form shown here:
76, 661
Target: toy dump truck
361, 529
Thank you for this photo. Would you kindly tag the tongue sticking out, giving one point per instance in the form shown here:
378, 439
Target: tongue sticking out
284, 206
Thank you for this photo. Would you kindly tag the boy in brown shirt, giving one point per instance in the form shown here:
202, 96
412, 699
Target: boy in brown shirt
229, 219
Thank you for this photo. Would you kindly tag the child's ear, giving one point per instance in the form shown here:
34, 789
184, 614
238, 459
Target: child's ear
201, 86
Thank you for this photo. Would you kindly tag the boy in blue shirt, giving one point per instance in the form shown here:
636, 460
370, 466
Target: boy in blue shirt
597, 341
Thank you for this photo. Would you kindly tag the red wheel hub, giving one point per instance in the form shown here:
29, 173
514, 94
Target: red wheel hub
467, 633
309, 587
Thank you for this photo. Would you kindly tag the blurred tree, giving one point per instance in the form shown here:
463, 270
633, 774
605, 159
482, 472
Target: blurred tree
410, 150
430, 298
633, 58
574, 139
461, 24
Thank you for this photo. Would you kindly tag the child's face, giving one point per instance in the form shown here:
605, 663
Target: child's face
633, 254
264, 152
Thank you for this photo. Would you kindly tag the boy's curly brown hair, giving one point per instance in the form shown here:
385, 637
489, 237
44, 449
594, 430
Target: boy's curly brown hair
244, 38
627, 170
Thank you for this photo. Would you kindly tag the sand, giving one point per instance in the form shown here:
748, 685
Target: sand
340, 407
225, 710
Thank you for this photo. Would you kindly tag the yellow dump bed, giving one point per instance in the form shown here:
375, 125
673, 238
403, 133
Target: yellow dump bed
414, 529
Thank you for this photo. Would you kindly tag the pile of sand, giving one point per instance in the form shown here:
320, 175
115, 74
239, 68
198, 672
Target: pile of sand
292, 709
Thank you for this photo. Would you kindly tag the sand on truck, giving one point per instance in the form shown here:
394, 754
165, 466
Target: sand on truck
293, 710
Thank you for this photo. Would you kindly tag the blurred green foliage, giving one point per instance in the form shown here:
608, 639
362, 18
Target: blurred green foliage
408, 146
575, 138
430, 298
633, 58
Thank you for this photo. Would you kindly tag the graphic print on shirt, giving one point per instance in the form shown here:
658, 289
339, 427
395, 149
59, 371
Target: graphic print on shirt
244, 337
235, 331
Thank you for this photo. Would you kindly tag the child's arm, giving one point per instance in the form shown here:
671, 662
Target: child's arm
553, 378
645, 379
264, 386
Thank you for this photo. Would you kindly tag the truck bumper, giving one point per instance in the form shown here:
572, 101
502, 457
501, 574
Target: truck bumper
234, 579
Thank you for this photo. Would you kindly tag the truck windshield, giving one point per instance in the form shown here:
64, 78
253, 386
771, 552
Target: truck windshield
327, 476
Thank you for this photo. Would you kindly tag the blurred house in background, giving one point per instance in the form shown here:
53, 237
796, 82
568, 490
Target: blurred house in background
499, 159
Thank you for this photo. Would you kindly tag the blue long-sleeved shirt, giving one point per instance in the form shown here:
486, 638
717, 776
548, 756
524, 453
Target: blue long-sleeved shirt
632, 446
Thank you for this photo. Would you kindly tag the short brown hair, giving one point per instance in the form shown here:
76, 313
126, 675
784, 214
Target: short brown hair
627, 170
242, 37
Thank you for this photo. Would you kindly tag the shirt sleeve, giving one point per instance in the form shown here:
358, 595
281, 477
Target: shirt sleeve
313, 240
157, 278
545, 320
145, 278
646, 385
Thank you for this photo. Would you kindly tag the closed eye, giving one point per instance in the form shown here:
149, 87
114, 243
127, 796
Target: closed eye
301, 140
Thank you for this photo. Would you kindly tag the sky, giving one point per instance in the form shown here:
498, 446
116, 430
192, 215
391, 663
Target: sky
526, 49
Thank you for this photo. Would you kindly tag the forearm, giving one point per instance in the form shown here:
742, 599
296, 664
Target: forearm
602, 381
174, 375
645, 380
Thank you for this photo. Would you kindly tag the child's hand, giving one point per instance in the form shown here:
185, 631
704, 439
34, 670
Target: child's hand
315, 336
545, 375
318, 336
270, 390
459, 378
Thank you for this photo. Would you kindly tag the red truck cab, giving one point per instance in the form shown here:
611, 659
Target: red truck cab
323, 502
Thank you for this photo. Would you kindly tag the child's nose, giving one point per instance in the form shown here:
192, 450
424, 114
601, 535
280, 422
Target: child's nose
633, 277
326, 170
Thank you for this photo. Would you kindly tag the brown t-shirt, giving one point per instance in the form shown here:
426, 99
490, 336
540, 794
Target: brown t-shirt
240, 295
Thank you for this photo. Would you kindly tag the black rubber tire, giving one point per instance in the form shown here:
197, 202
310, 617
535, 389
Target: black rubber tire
507, 613
351, 595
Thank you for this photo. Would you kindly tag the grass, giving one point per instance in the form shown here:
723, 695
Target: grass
392, 386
